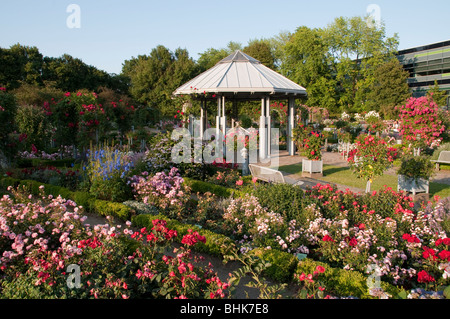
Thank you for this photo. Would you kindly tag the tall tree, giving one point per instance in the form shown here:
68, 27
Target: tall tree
307, 62
20, 64
260, 50
153, 78
358, 48
212, 56
389, 89
439, 96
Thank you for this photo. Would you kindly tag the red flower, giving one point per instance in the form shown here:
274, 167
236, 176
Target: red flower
320, 269
444, 255
429, 252
424, 277
411, 238
327, 238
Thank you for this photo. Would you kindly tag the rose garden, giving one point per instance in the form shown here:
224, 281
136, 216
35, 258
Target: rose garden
76, 156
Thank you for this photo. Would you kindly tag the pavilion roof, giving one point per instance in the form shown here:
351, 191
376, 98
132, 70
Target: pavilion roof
240, 74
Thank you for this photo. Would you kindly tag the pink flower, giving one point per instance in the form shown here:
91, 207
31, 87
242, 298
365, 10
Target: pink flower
240, 182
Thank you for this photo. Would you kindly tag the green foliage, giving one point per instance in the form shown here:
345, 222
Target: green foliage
282, 264
284, 199
306, 61
107, 208
260, 50
389, 89
203, 187
416, 167
8, 109
154, 77
32, 121
341, 282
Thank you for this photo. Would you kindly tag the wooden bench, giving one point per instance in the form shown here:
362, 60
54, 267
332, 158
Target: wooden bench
444, 158
269, 175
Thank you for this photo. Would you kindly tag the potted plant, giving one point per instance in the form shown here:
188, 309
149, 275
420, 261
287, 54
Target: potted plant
312, 149
414, 174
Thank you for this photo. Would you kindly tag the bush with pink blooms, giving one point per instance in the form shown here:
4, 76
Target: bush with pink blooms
420, 123
165, 191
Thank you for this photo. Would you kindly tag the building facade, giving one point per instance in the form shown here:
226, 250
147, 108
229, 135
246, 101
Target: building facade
427, 64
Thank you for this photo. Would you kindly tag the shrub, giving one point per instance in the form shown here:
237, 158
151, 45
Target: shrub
107, 171
416, 167
33, 124
420, 124
215, 244
166, 191
284, 199
282, 264
8, 109
370, 158
343, 283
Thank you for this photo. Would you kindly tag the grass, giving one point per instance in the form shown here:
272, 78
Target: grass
344, 176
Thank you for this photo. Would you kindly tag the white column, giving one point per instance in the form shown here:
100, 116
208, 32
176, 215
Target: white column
269, 130
262, 131
223, 122
202, 118
218, 135
291, 126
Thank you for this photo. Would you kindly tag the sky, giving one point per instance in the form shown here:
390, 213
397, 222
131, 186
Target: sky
105, 33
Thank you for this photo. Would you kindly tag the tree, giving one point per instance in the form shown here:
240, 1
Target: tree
260, 50
389, 89
212, 56
20, 64
357, 50
440, 97
153, 78
307, 62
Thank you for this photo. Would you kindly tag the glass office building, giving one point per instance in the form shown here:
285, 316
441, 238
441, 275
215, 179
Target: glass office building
427, 64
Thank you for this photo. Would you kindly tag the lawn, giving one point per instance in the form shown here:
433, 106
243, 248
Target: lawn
344, 176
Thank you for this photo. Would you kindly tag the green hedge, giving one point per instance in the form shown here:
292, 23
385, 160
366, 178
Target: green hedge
283, 264
36, 162
89, 202
203, 187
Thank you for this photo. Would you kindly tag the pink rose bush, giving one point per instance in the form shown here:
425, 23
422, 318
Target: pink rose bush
419, 121
165, 191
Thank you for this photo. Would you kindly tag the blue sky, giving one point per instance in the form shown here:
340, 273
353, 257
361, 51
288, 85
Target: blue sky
113, 31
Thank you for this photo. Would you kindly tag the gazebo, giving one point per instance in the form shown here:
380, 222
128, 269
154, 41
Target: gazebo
240, 77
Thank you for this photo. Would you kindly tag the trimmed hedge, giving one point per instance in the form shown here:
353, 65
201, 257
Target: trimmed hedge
283, 264
89, 202
203, 187
36, 162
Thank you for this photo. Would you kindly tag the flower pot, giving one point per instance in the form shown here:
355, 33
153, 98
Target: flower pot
312, 168
413, 185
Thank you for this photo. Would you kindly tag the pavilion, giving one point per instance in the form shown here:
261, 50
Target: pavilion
240, 77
